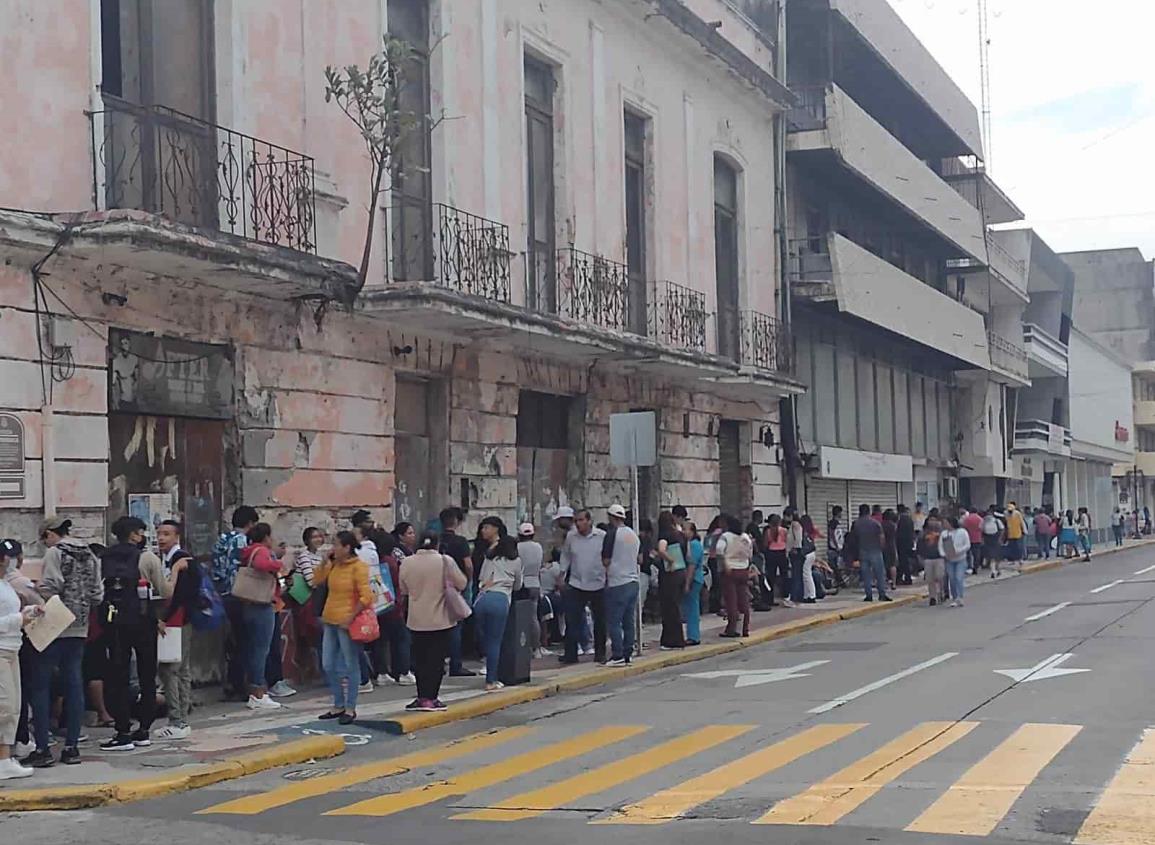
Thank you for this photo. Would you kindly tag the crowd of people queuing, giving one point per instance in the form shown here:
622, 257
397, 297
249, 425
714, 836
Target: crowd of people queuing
395, 607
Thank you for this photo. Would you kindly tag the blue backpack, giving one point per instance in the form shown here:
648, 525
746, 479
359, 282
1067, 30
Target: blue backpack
210, 613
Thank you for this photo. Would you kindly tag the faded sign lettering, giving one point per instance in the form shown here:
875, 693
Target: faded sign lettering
162, 375
11, 457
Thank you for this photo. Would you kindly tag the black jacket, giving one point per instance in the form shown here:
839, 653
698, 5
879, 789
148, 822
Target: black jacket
905, 533
187, 590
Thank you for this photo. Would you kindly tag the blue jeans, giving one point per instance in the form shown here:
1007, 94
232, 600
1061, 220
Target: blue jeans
956, 571
873, 572
67, 655
341, 660
621, 608
1085, 544
1044, 541
455, 638
490, 612
259, 622
274, 669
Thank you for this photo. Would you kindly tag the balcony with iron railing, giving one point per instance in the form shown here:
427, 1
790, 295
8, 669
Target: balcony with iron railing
765, 343
158, 160
678, 317
592, 289
1008, 358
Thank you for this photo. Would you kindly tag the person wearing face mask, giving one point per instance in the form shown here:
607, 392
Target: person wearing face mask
133, 576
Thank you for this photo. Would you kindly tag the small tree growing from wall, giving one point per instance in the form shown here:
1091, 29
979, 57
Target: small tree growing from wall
371, 99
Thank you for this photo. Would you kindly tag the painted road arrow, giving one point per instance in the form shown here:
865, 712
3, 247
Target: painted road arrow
757, 677
1048, 668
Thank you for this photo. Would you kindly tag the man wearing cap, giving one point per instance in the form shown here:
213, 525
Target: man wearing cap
620, 558
72, 572
532, 555
581, 561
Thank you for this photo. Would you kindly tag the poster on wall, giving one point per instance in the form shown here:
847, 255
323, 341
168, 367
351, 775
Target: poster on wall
152, 509
169, 376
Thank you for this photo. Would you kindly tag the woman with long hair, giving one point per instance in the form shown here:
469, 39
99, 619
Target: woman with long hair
425, 576
347, 577
673, 552
777, 560
1069, 535
501, 574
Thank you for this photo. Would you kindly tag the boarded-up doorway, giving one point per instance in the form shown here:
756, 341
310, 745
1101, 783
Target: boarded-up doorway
546, 428
421, 450
730, 475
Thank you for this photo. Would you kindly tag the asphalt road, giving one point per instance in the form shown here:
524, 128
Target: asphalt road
898, 728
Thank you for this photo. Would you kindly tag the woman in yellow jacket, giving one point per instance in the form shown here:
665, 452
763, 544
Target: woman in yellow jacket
347, 577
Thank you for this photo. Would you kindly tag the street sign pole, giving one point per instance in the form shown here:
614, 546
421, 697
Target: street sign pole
633, 443
639, 643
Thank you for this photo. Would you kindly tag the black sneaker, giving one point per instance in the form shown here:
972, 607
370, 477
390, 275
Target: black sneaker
885, 598
120, 742
933, 602
437, 705
869, 598
463, 673
141, 739
41, 758
415, 704
70, 756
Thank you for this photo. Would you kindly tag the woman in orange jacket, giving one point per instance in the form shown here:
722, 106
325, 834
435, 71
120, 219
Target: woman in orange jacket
347, 577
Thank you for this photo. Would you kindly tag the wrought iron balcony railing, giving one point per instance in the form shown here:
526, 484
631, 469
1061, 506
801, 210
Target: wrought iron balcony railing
679, 317
472, 254
766, 343
592, 289
156, 159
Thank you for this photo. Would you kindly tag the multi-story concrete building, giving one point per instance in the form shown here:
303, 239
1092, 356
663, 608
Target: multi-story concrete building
589, 229
1042, 416
1115, 304
879, 239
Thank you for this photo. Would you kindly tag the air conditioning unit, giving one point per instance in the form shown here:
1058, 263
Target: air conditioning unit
950, 487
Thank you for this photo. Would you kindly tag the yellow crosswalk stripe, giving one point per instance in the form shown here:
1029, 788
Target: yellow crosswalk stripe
486, 776
827, 802
534, 803
1125, 812
259, 803
676, 801
977, 802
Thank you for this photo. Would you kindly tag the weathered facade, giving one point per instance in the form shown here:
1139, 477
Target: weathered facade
587, 227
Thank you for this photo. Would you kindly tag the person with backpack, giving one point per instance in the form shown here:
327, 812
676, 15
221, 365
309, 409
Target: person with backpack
226, 560
930, 556
954, 544
132, 578
994, 533
72, 572
183, 576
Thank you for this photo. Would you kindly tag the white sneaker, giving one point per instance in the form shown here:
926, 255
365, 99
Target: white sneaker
406, 680
620, 661
281, 690
495, 686
382, 680
22, 749
173, 732
787, 603
263, 703
10, 769
365, 688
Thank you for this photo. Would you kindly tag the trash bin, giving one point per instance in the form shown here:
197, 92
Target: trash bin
517, 644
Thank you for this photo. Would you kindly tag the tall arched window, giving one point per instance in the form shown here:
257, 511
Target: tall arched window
726, 263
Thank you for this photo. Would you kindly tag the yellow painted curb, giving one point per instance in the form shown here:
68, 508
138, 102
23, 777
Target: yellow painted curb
180, 780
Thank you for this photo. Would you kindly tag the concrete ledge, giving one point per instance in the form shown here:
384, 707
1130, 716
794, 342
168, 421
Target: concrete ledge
123, 792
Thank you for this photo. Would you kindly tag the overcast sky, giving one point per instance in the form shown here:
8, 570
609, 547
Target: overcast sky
1073, 109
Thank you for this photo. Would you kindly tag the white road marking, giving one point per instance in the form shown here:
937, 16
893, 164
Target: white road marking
882, 682
1042, 670
1047, 612
1145, 571
756, 677
1106, 586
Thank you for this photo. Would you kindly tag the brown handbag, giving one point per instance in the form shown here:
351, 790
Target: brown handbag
254, 586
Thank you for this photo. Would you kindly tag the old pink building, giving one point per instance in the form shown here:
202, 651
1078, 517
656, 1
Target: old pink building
589, 228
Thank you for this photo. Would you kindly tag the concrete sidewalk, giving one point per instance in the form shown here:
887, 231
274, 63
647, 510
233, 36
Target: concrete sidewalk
230, 741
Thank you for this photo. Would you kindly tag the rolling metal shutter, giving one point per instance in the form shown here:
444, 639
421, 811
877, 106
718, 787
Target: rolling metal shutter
882, 493
822, 494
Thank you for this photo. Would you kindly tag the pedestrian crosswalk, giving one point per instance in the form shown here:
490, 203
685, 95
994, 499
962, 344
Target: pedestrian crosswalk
969, 777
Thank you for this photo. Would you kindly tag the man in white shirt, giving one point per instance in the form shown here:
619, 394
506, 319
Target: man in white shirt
585, 580
620, 558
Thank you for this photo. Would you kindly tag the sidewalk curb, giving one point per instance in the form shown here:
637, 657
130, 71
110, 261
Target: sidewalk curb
484, 705
123, 792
